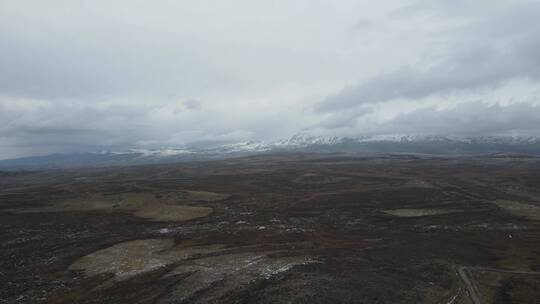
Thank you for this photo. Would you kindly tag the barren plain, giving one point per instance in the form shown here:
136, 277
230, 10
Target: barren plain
283, 228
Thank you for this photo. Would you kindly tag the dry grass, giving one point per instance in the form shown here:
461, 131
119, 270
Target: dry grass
487, 284
204, 265
319, 179
226, 273
520, 209
191, 197
169, 207
127, 259
518, 258
204, 196
417, 183
419, 212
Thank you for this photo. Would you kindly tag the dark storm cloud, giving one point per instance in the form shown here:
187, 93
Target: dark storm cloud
484, 53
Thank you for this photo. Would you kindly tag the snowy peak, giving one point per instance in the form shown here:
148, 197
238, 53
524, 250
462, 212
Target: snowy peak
148, 152
302, 140
414, 144
245, 146
306, 140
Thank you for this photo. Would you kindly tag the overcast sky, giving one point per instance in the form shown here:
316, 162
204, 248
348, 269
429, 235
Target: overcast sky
81, 75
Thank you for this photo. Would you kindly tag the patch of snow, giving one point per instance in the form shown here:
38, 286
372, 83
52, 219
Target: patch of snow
164, 230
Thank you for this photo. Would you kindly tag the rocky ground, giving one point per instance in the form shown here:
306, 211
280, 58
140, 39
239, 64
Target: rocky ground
289, 228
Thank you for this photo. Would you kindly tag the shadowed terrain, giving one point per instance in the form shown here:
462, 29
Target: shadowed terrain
283, 228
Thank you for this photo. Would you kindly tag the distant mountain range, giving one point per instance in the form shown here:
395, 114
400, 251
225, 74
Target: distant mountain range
411, 144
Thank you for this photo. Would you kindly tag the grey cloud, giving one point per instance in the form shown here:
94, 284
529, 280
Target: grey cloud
29, 127
78, 77
468, 119
94, 54
192, 104
483, 54
340, 120
40, 126
364, 24
45, 69
442, 8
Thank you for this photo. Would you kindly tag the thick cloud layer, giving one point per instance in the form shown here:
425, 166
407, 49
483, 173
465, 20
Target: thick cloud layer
482, 53
79, 76
468, 120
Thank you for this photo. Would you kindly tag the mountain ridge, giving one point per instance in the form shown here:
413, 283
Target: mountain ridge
301, 142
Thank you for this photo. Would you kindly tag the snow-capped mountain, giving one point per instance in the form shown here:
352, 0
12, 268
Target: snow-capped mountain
418, 144
303, 140
244, 146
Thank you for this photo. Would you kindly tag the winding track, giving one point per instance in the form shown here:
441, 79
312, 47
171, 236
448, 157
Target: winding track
473, 294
